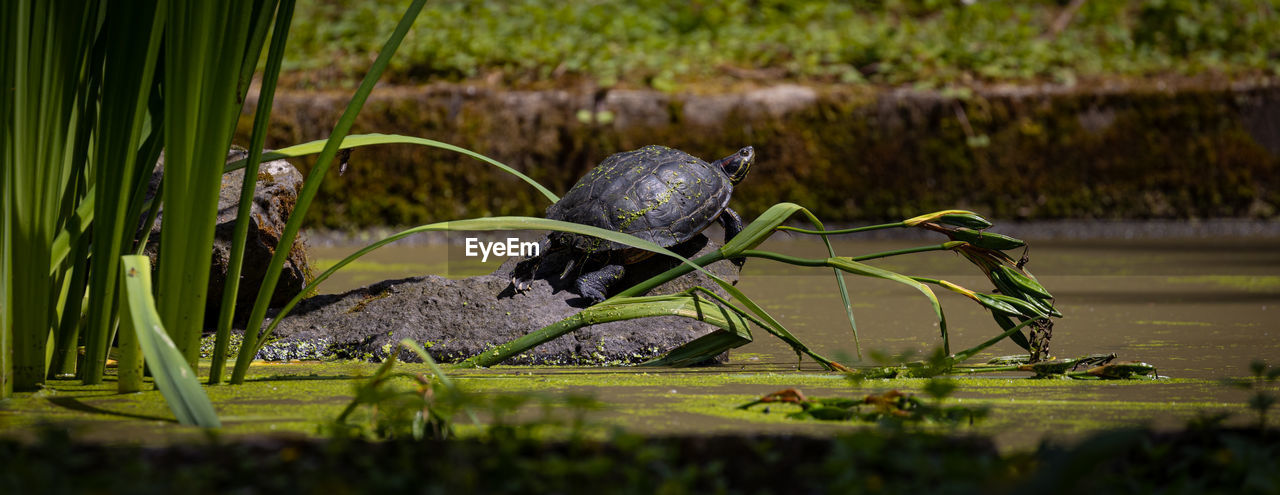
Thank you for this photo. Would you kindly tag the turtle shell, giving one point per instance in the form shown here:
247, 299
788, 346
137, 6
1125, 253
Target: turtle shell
655, 193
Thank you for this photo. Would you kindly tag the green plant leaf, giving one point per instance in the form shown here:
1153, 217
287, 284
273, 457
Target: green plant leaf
312, 186
987, 240
173, 376
358, 140
206, 47
431, 362
133, 41
764, 226
44, 136
231, 288
852, 266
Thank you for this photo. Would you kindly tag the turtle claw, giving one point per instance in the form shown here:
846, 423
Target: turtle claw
521, 285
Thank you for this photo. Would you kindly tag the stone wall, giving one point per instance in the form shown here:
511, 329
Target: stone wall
849, 153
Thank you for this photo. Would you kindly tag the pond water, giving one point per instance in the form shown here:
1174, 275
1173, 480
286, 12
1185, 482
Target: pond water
1197, 309
1194, 308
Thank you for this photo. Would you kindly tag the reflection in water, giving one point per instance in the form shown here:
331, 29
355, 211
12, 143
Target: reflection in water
1193, 308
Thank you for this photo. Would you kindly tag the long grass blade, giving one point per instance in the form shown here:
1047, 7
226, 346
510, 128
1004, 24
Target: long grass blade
771, 220
734, 332
358, 140
45, 58
752, 235
312, 186
173, 376
431, 362
734, 328
852, 266
65, 354
132, 51
204, 57
266, 96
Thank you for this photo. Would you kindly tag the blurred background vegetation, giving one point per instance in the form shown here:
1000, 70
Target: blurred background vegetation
671, 44
860, 110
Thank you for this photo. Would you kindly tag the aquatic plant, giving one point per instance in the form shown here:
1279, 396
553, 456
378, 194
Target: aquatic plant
1028, 304
426, 411
143, 334
384, 409
93, 99
84, 94
1021, 296
1261, 384
80, 159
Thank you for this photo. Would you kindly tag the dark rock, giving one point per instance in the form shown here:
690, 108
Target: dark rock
274, 198
457, 319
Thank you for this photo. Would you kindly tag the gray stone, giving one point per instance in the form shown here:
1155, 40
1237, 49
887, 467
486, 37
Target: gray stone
273, 201
457, 319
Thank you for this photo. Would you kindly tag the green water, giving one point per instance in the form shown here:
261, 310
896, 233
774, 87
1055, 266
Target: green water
1197, 310
1193, 308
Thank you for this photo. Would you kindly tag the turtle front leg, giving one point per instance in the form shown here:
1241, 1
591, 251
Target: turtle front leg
524, 272
732, 223
595, 285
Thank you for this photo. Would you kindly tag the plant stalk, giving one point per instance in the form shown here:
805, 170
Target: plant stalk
312, 186
266, 96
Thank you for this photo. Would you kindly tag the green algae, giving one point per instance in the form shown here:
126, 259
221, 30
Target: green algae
299, 397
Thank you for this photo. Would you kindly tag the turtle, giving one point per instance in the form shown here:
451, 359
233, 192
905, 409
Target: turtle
655, 193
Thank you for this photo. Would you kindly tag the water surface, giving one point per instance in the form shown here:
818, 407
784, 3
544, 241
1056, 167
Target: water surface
1194, 308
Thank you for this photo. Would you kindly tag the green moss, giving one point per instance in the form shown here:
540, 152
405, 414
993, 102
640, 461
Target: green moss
298, 397
360, 305
852, 154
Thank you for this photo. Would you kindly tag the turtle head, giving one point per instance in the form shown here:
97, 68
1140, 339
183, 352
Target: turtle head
737, 164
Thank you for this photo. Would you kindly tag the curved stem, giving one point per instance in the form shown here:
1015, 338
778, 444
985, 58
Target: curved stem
964, 355
773, 327
618, 310
231, 288
844, 231
946, 246
853, 266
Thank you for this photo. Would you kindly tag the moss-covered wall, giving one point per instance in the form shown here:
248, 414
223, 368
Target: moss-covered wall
848, 153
